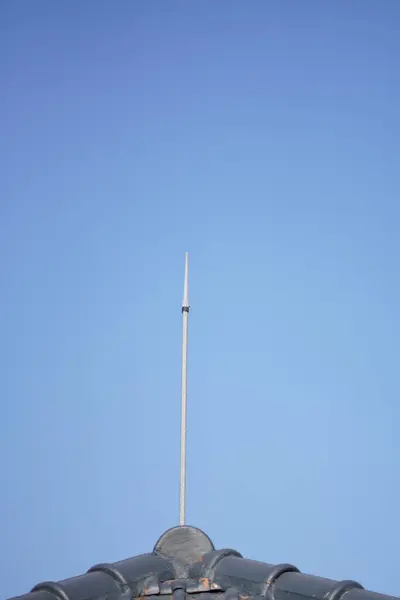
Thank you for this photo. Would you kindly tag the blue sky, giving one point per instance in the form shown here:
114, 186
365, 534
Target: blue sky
263, 138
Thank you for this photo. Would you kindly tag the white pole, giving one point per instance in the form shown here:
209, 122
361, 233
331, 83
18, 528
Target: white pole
185, 319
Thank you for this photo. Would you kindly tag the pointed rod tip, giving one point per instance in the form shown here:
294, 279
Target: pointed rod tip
185, 301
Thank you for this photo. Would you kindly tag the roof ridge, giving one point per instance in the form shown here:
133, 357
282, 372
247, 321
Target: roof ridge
184, 563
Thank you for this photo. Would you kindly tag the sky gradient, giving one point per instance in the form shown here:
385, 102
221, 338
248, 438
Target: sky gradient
263, 138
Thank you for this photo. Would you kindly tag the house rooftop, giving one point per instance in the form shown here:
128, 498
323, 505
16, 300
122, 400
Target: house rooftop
184, 565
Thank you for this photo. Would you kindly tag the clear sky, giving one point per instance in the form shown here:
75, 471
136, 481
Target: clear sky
262, 137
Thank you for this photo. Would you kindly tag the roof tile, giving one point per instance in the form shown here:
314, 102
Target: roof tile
184, 565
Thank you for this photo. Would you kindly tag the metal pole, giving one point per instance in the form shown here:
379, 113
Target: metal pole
185, 319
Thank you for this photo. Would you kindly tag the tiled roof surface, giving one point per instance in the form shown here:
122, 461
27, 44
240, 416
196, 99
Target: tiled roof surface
184, 565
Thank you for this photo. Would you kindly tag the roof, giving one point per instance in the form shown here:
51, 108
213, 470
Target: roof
184, 565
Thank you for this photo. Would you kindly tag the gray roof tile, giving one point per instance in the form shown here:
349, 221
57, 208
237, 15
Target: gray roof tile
184, 565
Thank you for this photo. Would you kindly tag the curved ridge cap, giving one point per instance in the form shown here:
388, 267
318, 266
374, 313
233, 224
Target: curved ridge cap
342, 587
52, 587
276, 572
171, 530
132, 559
212, 559
110, 570
135, 570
